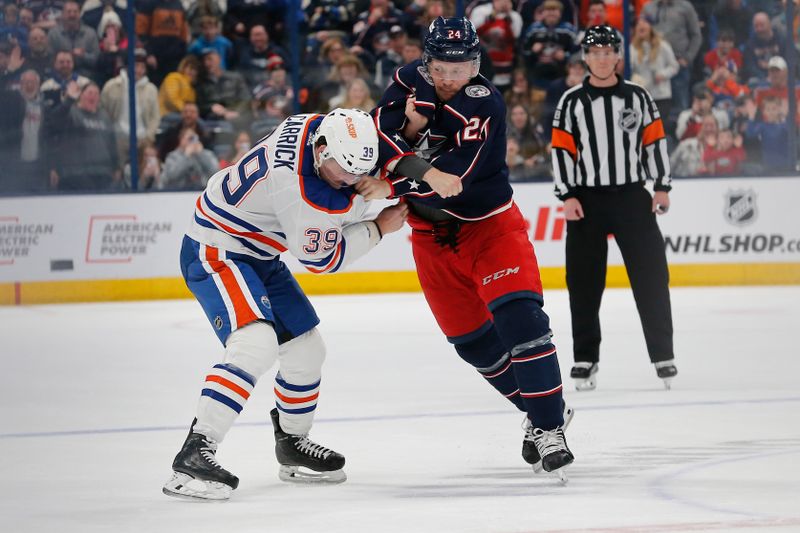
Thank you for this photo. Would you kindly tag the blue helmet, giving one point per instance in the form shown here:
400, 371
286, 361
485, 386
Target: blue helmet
451, 39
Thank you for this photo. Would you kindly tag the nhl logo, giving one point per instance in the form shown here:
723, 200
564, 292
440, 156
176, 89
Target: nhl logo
218, 323
629, 120
740, 207
265, 302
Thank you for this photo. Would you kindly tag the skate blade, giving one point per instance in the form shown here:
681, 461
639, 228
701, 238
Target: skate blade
586, 384
293, 474
186, 487
537, 467
569, 412
667, 383
562, 476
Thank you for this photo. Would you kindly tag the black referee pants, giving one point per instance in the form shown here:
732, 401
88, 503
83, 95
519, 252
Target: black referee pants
626, 213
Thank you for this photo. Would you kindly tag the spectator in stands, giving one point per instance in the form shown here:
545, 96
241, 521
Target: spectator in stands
241, 145
677, 21
93, 11
26, 18
197, 9
780, 26
114, 100
11, 30
380, 17
221, 95
527, 133
318, 68
516, 163
357, 96
149, 169
210, 38
744, 108
190, 165
736, 17
46, 12
763, 44
418, 28
653, 64
243, 14
521, 93
598, 12
113, 47
390, 57
725, 54
412, 51
190, 119
772, 130
547, 45
54, 88
31, 168
725, 87
258, 55
327, 15
73, 36
178, 87
576, 72
690, 121
499, 27
346, 70
39, 57
777, 86
531, 10
276, 84
11, 63
724, 155
162, 27
687, 159
83, 146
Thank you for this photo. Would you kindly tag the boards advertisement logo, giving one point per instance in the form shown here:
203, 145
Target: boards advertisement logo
120, 238
740, 207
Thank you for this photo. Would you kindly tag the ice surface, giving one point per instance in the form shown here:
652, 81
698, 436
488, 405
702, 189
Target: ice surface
96, 399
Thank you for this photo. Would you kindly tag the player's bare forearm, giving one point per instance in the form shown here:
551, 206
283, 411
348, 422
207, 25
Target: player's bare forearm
373, 188
444, 184
392, 218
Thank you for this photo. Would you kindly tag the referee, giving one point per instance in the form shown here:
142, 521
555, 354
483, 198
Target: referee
608, 139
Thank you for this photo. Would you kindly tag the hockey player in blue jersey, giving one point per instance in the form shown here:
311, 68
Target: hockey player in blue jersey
442, 128
291, 192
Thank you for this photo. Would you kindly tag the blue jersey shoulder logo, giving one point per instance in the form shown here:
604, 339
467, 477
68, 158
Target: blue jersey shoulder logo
477, 91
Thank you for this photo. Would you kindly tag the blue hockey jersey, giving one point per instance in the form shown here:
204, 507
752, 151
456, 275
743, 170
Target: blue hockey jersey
465, 136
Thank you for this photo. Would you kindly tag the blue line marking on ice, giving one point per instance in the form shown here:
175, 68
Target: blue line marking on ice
384, 418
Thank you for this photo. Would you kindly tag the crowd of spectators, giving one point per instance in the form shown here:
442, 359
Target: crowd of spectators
211, 76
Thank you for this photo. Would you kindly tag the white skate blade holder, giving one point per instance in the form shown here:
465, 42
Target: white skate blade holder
298, 474
186, 487
667, 383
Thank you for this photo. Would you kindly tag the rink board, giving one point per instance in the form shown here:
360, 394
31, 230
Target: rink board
125, 247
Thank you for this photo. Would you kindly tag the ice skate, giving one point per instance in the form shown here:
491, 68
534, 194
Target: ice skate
197, 475
552, 447
666, 370
529, 451
584, 374
298, 451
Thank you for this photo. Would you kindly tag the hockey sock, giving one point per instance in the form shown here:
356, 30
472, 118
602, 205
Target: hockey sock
226, 390
493, 362
524, 328
297, 383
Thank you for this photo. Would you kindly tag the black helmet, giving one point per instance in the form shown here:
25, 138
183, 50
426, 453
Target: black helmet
451, 39
603, 35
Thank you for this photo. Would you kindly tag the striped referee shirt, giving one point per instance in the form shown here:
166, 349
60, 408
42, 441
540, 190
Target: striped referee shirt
608, 136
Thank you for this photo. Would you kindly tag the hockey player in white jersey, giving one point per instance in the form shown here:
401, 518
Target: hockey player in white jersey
291, 192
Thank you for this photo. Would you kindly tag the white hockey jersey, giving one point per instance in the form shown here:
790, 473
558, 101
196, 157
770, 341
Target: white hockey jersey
272, 201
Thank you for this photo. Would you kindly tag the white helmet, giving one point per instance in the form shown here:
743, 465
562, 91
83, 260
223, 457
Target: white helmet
351, 139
